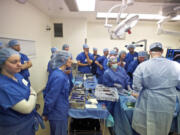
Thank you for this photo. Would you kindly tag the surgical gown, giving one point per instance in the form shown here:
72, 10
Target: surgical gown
130, 57
102, 60
56, 102
25, 72
157, 80
82, 58
111, 77
12, 122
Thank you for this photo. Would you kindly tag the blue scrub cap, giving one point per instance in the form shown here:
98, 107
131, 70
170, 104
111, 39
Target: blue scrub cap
142, 54
112, 52
65, 46
5, 53
154, 45
13, 43
59, 58
94, 49
122, 52
131, 46
105, 49
85, 46
112, 59
1, 44
53, 50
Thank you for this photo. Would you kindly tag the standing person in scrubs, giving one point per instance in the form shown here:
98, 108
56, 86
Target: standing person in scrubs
26, 63
68, 70
116, 50
100, 62
94, 66
156, 80
56, 102
17, 99
84, 60
121, 58
53, 51
132, 55
142, 55
1, 45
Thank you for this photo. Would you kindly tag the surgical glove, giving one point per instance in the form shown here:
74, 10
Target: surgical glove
129, 88
135, 95
118, 85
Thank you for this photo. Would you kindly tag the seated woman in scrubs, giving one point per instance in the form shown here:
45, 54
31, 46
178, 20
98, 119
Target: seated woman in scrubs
56, 102
116, 76
17, 99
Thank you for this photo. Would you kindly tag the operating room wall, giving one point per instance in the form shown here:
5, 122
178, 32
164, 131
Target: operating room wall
74, 34
98, 35
24, 21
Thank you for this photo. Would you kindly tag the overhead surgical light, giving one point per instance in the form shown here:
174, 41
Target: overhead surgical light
171, 13
124, 26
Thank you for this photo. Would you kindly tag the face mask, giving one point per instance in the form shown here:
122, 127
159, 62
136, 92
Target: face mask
114, 66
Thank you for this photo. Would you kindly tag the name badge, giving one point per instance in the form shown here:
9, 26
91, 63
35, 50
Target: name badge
85, 60
24, 82
135, 58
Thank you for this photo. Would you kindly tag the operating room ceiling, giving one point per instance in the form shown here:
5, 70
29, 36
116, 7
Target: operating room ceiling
60, 8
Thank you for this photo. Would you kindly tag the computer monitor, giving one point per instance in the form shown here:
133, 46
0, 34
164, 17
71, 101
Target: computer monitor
172, 53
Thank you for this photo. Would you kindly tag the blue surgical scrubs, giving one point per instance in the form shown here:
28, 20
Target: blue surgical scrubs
119, 76
25, 72
130, 57
100, 72
56, 102
94, 66
12, 122
70, 76
82, 58
49, 69
131, 68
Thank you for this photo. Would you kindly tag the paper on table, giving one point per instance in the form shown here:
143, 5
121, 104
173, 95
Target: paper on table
90, 106
93, 100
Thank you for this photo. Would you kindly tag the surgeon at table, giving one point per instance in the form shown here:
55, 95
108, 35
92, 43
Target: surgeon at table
132, 55
17, 99
156, 80
133, 65
116, 76
84, 60
56, 94
101, 64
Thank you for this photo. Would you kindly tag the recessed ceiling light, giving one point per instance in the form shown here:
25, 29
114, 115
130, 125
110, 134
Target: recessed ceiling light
86, 5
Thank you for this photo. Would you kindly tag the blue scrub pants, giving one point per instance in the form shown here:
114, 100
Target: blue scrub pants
100, 79
59, 127
24, 128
